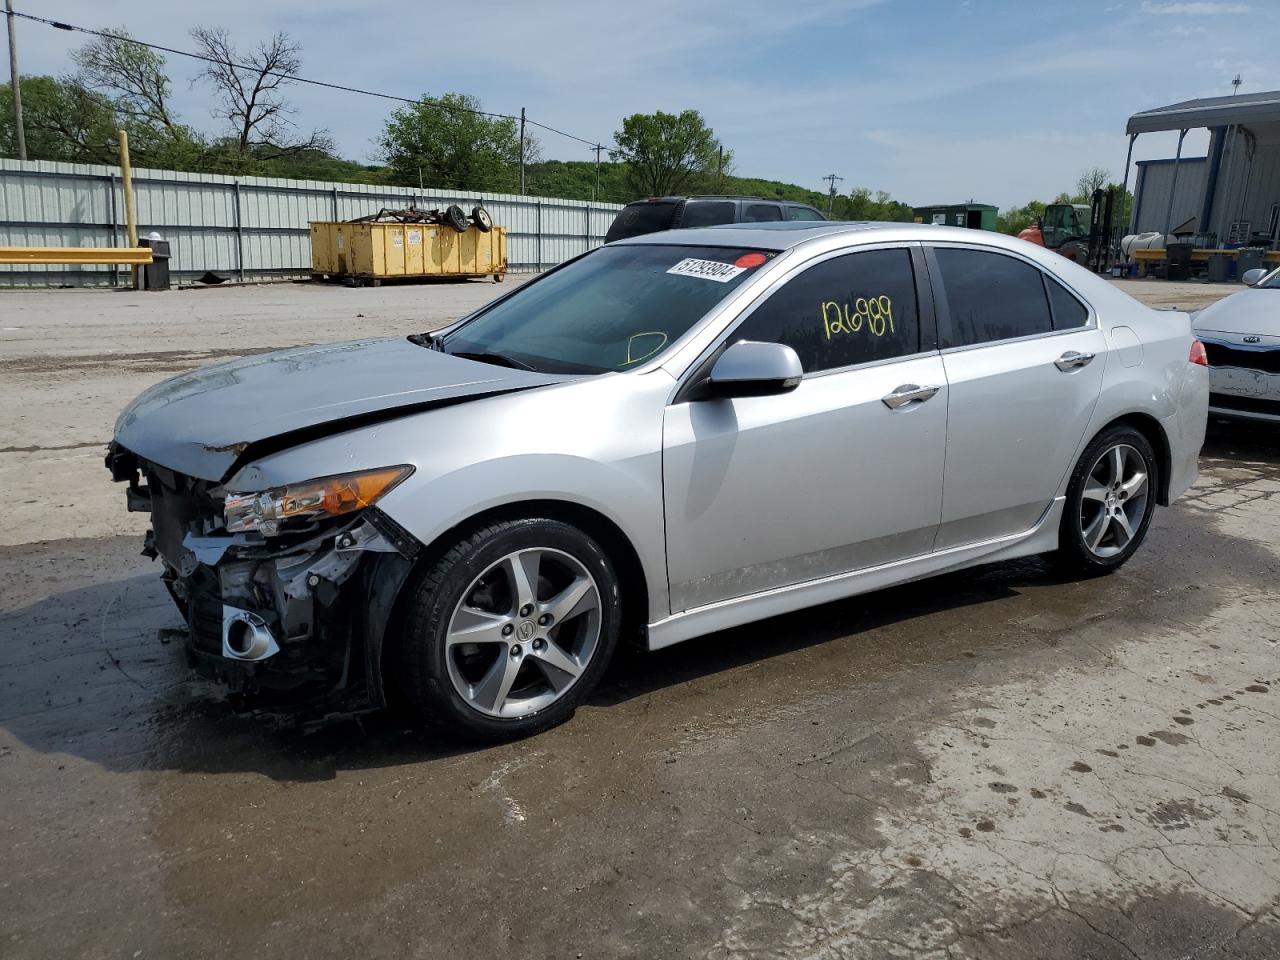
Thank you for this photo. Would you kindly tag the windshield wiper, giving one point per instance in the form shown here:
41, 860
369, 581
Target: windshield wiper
488, 356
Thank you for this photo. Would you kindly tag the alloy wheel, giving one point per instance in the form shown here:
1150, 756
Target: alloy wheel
1114, 500
523, 632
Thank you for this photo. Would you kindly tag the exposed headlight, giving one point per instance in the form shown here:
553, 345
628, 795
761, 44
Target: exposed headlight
314, 499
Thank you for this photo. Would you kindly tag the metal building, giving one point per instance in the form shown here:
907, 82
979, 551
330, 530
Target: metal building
1233, 194
978, 216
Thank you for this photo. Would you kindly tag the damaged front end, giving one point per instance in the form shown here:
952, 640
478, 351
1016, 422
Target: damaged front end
287, 594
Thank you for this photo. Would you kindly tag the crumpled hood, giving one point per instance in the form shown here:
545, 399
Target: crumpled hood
200, 422
1247, 312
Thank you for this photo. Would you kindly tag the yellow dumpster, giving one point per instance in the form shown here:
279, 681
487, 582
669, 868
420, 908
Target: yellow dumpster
373, 252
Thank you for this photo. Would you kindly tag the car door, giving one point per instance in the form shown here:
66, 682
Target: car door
1024, 360
842, 473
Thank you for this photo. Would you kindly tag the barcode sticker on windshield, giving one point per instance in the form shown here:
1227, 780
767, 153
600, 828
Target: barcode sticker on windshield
706, 270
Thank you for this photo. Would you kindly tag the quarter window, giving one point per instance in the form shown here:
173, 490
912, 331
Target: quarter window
803, 213
761, 212
1068, 312
991, 297
850, 309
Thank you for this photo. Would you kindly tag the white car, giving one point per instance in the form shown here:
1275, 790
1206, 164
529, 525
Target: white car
667, 436
1241, 335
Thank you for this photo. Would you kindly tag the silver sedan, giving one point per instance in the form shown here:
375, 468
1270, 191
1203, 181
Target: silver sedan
1241, 335
664, 437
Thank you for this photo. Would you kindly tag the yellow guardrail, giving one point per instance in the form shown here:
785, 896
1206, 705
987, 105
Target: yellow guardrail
135, 256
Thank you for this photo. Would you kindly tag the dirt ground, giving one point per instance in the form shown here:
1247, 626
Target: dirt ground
993, 764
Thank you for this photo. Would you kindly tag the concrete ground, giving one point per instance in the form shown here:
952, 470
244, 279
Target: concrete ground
993, 764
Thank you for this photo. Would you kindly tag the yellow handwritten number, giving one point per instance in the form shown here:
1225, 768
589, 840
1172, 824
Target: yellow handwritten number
875, 312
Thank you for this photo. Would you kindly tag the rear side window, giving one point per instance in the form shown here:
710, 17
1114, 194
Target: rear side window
850, 309
991, 297
707, 213
637, 219
1068, 312
803, 213
760, 212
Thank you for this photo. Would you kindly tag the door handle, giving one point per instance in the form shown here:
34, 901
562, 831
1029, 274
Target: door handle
906, 394
1073, 359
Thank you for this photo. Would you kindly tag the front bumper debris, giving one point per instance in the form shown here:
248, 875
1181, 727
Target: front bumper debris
292, 625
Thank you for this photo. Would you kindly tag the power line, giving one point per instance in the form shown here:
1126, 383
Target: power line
105, 34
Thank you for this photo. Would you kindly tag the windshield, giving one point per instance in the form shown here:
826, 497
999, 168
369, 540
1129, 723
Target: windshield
610, 310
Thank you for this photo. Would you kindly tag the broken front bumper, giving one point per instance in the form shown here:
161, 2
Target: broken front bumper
292, 624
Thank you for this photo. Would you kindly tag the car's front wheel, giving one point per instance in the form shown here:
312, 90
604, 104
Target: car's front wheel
510, 629
1110, 500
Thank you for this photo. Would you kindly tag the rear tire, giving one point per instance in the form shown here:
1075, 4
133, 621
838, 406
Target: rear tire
510, 629
1111, 498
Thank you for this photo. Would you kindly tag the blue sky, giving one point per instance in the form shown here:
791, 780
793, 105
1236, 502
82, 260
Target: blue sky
931, 100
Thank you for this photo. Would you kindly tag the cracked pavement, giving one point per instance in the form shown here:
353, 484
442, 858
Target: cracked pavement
992, 764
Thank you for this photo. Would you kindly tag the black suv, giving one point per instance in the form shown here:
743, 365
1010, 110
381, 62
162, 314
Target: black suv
668, 213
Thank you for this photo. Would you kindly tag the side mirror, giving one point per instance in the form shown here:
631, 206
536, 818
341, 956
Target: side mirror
1251, 278
750, 368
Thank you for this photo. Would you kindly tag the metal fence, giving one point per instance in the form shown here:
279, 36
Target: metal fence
245, 227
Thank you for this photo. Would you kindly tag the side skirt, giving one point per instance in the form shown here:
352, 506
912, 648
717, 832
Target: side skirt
1041, 538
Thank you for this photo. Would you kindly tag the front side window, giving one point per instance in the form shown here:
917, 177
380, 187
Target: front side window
760, 212
854, 308
609, 310
991, 297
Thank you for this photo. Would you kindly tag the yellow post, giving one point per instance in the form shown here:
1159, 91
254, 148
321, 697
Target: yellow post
130, 217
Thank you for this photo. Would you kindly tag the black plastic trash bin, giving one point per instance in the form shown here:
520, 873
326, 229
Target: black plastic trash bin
1179, 255
155, 275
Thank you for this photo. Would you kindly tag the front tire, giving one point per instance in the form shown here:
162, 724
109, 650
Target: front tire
1111, 498
510, 629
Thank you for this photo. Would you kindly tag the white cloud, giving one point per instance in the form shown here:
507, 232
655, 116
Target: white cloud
1199, 9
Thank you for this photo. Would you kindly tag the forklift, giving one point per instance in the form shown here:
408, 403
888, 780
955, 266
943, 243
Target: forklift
1080, 232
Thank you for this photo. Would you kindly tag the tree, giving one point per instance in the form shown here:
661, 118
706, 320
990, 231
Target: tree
1094, 178
249, 91
62, 120
132, 75
451, 143
861, 205
666, 152
132, 78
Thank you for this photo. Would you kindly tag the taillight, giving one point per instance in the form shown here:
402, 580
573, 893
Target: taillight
1198, 354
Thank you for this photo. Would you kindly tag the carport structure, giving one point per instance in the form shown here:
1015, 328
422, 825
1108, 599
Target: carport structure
1237, 201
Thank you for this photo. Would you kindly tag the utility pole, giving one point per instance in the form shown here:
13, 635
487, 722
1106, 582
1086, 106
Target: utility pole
17, 87
595, 194
720, 170
522, 151
831, 178
1235, 84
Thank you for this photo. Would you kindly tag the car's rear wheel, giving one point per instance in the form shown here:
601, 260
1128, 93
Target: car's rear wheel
510, 629
1110, 501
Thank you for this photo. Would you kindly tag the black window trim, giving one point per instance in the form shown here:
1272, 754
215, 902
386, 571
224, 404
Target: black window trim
928, 343
942, 315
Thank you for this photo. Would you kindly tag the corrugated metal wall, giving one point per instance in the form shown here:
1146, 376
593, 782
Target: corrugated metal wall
1155, 181
250, 227
1248, 185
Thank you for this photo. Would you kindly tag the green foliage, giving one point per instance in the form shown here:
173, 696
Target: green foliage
668, 153
452, 146
1016, 219
862, 205
62, 121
